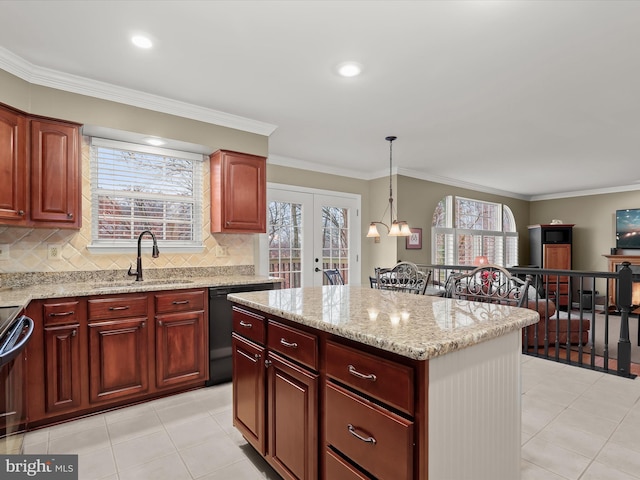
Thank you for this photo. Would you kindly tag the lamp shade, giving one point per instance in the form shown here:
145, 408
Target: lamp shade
405, 231
480, 260
373, 231
394, 231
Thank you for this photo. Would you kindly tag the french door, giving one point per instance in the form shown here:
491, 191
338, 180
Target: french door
309, 231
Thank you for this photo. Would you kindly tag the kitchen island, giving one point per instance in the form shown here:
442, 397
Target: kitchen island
365, 383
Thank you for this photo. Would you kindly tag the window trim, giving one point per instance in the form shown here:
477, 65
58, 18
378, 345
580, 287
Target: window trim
456, 232
121, 246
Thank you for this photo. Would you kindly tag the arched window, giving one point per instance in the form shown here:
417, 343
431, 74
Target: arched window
464, 229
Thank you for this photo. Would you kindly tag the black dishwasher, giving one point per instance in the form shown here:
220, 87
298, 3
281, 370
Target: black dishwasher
220, 326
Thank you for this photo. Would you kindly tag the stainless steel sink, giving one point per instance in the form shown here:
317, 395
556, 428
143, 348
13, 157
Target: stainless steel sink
132, 283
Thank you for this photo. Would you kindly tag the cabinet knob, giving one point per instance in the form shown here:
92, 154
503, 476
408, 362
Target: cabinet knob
160, 324
69, 215
21, 213
74, 332
143, 324
267, 363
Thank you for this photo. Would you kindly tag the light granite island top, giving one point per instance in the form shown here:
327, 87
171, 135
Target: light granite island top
415, 326
456, 367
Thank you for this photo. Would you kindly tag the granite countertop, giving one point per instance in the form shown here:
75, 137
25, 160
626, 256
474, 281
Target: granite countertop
20, 296
415, 326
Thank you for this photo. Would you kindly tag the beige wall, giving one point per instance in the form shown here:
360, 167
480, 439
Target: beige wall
594, 219
28, 247
415, 199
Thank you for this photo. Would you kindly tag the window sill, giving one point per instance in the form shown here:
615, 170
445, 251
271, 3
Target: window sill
133, 247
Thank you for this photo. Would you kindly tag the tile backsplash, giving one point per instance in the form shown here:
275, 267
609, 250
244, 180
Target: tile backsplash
29, 247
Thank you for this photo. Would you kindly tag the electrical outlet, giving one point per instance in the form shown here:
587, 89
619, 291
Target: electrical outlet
54, 251
222, 251
4, 251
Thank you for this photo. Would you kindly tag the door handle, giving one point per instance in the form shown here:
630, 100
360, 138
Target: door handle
318, 270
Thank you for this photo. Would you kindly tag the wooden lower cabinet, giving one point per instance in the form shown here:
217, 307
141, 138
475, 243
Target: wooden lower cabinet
375, 438
275, 399
181, 348
249, 391
62, 359
316, 406
92, 353
292, 399
118, 359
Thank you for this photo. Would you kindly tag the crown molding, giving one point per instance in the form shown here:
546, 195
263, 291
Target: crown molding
585, 193
46, 77
315, 167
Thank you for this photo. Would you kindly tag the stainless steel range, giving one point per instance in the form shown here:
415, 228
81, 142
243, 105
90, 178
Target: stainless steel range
15, 332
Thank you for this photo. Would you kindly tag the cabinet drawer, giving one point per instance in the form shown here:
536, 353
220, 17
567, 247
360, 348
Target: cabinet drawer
339, 469
378, 440
382, 379
295, 344
562, 288
119, 307
249, 325
179, 301
61, 313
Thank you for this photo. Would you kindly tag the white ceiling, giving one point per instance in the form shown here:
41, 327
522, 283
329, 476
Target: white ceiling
536, 98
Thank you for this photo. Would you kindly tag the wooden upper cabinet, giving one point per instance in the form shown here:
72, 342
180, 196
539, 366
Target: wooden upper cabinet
40, 160
13, 153
55, 173
238, 193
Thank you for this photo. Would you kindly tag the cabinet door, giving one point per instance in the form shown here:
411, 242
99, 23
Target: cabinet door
62, 361
55, 174
180, 349
238, 193
293, 419
13, 194
249, 391
557, 256
118, 359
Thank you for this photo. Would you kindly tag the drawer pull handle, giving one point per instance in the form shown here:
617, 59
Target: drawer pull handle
355, 373
61, 314
353, 432
125, 307
288, 344
182, 302
245, 324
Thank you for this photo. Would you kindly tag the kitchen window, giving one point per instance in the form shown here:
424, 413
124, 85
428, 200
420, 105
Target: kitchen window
136, 188
464, 229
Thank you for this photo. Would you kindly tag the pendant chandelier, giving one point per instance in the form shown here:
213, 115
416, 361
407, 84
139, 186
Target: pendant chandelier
396, 228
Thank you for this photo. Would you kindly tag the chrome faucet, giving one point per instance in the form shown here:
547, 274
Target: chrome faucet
155, 254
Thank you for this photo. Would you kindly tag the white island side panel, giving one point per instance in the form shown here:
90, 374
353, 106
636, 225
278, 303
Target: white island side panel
475, 412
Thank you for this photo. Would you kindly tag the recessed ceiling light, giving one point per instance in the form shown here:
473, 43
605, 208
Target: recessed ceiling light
141, 41
156, 142
349, 69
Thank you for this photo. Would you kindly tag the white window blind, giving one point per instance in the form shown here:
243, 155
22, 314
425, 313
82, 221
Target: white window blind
137, 188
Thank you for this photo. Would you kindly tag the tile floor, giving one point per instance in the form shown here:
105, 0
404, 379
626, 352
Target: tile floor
576, 424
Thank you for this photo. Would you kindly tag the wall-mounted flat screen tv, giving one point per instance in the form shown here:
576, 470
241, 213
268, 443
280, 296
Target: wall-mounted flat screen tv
628, 228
